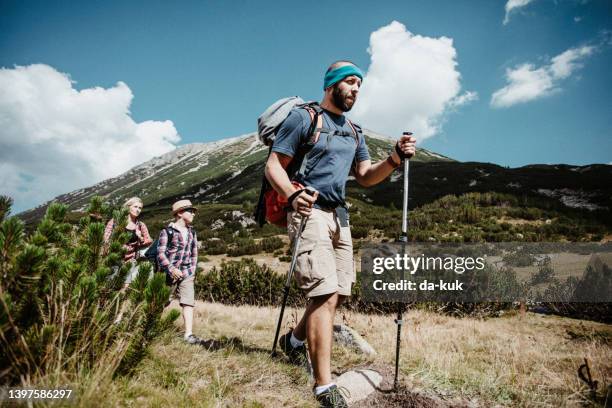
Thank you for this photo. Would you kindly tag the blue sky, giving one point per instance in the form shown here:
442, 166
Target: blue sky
212, 67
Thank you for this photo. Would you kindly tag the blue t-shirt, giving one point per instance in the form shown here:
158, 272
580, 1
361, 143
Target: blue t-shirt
330, 159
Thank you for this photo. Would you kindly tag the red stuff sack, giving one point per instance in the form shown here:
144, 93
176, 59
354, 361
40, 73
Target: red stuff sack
277, 206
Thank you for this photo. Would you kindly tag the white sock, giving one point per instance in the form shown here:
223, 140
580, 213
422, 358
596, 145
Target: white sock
295, 342
188, 334
322, 388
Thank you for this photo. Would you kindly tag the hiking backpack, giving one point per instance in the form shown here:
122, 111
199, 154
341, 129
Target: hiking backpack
271, 206
152, 251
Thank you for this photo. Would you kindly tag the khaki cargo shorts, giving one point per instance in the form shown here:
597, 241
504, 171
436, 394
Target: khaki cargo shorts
184, 291
325, 255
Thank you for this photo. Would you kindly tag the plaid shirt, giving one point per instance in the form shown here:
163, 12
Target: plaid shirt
178, 253
130, 248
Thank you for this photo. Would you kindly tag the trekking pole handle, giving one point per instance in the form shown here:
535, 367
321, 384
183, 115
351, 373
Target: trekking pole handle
309, 190
405, 203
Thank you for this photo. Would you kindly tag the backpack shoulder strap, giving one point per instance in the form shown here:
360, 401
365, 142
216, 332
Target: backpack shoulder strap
356, 131
170, 235
314, 133
316, 122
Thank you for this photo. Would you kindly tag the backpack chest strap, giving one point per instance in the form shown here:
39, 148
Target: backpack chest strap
335, 132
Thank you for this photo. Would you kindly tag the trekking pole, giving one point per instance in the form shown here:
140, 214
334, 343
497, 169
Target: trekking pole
404, 240
296, 244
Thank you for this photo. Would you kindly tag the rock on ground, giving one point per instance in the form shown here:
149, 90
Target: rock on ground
349, 337
359, 384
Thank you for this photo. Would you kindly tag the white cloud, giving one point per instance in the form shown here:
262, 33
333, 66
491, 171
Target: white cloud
463, 99
55, 138
527, 82
577, 19
411, 82
567, 62
513, 5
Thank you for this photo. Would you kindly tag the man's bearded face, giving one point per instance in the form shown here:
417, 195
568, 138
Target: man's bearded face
344, 93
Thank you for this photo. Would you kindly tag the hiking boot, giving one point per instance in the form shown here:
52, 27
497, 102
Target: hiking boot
192, 339
297, 355
331, 398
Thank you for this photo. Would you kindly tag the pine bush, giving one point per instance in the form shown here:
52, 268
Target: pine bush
59, 300
271, 244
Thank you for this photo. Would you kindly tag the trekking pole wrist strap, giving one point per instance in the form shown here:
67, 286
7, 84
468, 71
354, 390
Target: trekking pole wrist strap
293, 196
400, 153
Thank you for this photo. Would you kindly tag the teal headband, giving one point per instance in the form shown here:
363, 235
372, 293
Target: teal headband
338, 74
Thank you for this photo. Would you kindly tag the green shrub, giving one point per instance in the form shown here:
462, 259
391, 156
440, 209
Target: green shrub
545, 273
268, 230
242, 232
214, 247
59, 299
270, 244
359, 231
243, 282
244, 246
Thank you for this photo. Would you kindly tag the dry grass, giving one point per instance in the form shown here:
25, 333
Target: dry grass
508, 361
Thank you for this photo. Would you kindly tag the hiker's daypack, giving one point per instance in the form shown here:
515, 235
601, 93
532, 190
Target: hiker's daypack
151, 253
271, 206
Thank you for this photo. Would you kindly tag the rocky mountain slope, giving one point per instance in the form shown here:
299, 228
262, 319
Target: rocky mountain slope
230, 170
199, 171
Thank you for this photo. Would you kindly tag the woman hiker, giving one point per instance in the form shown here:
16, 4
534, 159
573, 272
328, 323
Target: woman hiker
139, 238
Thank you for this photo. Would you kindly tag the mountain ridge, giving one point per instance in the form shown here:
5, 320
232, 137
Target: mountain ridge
193, 163
208, 173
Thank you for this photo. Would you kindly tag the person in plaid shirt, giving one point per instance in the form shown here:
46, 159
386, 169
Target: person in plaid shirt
139, 238
177, 254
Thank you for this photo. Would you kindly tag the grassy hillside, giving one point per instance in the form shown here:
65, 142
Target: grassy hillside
508, 361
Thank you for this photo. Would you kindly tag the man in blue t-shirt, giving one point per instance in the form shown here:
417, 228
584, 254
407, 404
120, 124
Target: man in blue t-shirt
325, 267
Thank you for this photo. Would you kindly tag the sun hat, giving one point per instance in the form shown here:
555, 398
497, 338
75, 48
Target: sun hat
181, 205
